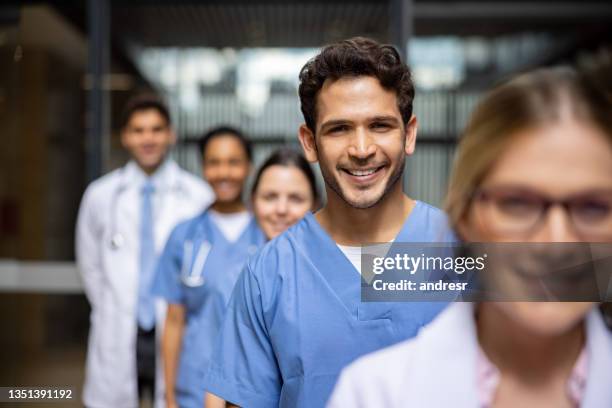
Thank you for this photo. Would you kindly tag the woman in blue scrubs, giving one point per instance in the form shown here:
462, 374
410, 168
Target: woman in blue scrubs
283, 192
200, 264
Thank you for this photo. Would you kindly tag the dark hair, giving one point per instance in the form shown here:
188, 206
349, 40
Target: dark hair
226, 131
288, 158
355, 57
144, 102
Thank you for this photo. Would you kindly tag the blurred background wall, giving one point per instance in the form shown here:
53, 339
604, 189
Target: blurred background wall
67, 67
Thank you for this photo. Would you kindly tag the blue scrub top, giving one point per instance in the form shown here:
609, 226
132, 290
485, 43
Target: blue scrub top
295, 318
205, 300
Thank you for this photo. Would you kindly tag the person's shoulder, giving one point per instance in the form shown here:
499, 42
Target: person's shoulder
103, 188
275, 264
432, 211
192, 182
282, 249
436, 222
183, 228
109, 179
190, 178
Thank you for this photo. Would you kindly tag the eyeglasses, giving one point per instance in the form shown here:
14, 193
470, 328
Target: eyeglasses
518, 212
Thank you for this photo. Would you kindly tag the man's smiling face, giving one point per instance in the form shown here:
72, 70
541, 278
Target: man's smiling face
361, 141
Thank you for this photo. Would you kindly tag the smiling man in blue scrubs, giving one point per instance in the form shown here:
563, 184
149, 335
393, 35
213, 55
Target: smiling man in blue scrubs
295, 318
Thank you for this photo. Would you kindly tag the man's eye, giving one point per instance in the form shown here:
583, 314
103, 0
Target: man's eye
338, 129
380, 126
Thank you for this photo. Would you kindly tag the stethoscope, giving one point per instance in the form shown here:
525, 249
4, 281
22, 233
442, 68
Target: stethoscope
117, 239
194, 277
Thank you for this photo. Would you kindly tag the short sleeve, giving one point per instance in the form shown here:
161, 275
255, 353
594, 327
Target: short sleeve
243, 368
167, 283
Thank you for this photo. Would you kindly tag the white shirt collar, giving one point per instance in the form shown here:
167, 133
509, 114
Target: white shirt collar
164, 177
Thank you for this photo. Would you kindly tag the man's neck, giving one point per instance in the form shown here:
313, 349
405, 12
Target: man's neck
149, 170
354, 226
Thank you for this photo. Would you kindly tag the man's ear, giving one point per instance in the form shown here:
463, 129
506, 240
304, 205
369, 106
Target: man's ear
123, 138
172, 137
307, 140
411, 134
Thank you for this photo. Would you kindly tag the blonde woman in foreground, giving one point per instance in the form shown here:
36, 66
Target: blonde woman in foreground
534, 165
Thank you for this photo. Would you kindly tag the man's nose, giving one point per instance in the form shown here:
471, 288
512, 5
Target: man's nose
148, 135
362, 145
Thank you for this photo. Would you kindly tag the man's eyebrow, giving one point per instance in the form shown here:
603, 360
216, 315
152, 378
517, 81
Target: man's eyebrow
335, 122
384, 119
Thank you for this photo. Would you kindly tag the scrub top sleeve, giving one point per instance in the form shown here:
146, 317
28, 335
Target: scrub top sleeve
243, 367
167, 283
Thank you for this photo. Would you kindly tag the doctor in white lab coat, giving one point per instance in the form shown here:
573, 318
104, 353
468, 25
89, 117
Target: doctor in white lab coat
112, 254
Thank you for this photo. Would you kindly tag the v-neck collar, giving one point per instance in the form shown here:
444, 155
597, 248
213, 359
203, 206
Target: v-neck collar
249, 231
333, 265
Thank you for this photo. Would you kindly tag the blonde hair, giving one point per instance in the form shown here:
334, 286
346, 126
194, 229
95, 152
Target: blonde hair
532, 99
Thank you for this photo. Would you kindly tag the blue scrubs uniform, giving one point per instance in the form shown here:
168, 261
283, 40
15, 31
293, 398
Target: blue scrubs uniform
295, 318
198, 270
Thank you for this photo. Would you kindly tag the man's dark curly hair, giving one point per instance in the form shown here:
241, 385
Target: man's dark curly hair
355, 57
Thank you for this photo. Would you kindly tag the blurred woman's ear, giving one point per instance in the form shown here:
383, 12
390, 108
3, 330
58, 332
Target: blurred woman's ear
465, 228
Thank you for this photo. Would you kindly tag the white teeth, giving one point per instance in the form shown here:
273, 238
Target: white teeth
362, 172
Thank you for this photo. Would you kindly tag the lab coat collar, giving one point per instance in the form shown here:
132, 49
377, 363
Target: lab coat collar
451, 339
598, 392
165, 177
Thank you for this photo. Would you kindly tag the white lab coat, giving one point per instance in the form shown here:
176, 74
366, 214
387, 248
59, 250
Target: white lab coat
437, 369
111, 205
